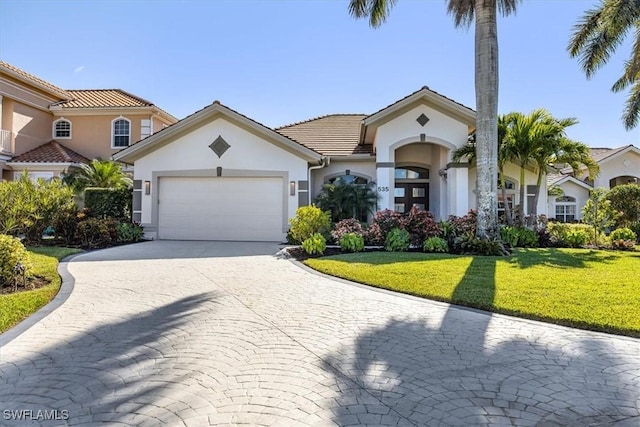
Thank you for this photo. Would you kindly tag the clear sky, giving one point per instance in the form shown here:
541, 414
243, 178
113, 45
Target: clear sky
279, 62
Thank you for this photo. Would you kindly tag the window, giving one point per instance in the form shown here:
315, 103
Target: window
348, 179
62, 129
566, 209
411, 172
121, 130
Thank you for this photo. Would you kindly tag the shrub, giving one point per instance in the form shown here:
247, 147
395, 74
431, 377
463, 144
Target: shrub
469, 244
435, 244
352, 242
420, 225
347, 226
623, 234
97, 233
108, 202
397, 240
15, 262
599, 213
129, 232
309, 220
66, 226
519, 237
316, 244
28, 207
383, 222
464, 224
625, 199
571, 235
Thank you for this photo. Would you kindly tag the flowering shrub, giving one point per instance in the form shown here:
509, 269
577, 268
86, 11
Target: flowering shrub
420, 225
347, 226
382, 224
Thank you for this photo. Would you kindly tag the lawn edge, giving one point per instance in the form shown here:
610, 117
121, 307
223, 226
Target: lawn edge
67, 283
507, 316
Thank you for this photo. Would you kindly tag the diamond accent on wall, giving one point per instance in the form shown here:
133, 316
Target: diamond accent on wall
422, 119
626, 163
219, 146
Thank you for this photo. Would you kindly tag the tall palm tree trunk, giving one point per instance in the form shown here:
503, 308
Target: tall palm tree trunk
486, 82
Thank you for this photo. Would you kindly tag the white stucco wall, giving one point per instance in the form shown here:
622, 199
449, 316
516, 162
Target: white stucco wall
620, 165
247, 152
569, 189
398, 142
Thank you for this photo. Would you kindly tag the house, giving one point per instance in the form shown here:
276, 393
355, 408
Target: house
46, 129
617, 166
219, 175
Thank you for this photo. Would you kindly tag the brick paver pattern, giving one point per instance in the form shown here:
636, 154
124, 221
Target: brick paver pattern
186, 334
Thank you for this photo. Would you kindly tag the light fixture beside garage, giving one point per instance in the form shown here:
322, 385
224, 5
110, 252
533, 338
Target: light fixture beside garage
147, 187
292, 188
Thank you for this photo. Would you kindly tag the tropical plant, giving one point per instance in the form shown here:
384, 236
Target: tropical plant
308, 221
397, 240
315, 244
597, 35
421, 225
519, 237
347, 200
625, 199
98, 173
435, 244
347, 226
352, 242
598, 213
486, 87
383, 222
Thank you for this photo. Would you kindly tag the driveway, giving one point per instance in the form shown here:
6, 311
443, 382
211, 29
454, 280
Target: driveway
200, 333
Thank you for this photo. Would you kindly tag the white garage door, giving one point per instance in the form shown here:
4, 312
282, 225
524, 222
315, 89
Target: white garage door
248, 209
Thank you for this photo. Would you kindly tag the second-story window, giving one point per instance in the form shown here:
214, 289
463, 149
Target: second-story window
121, 132
62, 129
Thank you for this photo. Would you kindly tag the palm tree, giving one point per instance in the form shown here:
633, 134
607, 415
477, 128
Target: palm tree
469, 152
98, 173
486, 85
597, 35
345, 200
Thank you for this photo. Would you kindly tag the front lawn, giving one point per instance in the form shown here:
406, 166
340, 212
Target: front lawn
590, 289
15, 307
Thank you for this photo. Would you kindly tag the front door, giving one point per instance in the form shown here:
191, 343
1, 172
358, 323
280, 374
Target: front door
410, 194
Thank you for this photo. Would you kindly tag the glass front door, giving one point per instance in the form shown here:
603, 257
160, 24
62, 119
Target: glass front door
410, 194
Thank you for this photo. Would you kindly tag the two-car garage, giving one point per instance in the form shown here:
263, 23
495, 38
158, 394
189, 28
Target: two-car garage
221, 208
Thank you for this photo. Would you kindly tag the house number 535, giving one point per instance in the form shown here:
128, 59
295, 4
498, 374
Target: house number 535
383, 189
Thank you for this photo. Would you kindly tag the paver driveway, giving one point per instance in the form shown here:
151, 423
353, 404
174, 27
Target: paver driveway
199, 333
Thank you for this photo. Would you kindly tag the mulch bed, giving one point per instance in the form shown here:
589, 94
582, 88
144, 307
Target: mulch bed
33, 283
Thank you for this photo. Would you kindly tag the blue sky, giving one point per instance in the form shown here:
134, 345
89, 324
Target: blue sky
279, 62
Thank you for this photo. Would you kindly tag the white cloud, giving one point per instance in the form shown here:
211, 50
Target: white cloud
78, 69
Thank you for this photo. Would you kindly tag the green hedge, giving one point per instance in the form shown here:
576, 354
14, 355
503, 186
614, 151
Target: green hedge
108, 202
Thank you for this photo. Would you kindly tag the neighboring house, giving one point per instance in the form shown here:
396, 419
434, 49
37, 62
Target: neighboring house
46, 129
219, 175
617, 166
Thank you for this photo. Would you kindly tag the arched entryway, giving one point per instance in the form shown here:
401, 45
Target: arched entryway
411, 188
623, 179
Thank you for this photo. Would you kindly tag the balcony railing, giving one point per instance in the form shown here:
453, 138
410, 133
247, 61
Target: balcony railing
5, 141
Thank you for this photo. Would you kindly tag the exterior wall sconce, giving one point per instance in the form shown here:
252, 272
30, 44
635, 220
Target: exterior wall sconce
292, 188
147, 187
347, 172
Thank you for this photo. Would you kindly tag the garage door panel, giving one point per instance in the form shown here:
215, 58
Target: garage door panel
249, 209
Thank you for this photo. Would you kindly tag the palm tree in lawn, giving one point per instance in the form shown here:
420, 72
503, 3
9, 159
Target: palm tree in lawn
558, 149
98, 173
484, 13
469, 152
597, 35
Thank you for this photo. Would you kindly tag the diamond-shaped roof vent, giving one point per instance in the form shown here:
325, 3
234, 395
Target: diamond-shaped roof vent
219, 146
422, 119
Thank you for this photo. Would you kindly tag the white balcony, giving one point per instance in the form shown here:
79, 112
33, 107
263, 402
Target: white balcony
5, 142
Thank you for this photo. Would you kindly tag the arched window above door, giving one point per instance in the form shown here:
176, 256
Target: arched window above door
348, 179
411, 172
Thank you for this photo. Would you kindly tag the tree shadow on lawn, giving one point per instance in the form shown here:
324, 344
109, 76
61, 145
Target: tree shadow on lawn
553, 257
476, 369
114, 373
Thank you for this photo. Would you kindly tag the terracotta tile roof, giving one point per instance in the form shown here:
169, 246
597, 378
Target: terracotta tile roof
330, 135
51, 152
23, 75
102, 98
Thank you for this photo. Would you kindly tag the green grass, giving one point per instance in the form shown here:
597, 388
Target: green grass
590, 289
18, 306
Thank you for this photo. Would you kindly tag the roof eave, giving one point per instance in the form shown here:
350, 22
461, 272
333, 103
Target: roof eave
58, 92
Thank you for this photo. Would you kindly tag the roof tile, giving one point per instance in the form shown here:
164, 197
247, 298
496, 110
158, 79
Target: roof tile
102, 98
33, 79
51, 152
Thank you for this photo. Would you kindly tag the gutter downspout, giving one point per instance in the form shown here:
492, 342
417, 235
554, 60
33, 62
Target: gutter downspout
325, 162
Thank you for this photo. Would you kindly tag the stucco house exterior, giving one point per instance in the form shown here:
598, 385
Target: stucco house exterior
46, 130
617, 166
219, 175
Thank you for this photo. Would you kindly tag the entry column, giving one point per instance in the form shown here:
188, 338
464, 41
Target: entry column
458, 188
385, 184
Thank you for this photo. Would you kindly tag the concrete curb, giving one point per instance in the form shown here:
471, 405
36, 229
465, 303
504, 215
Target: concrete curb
66, 287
